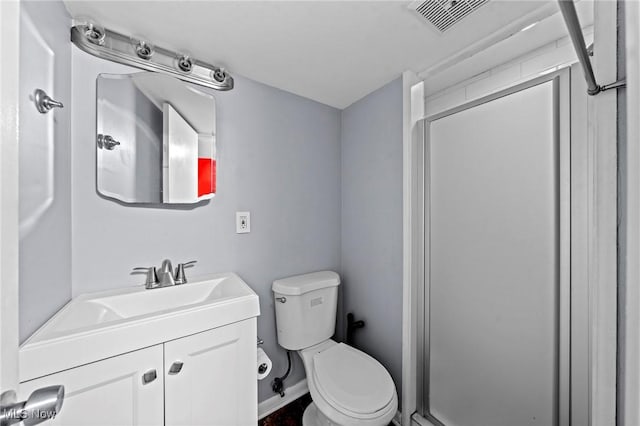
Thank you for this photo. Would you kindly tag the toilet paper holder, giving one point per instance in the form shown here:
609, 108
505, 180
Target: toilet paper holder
264, 364
262, 367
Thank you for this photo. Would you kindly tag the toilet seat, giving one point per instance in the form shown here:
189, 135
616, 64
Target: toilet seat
352, 381
327, 385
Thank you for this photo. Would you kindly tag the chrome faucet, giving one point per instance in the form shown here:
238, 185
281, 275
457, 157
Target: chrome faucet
165, 277
166, 274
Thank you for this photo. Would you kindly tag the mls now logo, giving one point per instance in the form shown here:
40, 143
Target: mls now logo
15, 414
43, 414
22, 414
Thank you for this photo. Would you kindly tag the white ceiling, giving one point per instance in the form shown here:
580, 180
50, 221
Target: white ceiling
334, 52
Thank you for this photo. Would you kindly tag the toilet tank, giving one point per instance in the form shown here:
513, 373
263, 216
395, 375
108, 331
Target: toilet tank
306, 308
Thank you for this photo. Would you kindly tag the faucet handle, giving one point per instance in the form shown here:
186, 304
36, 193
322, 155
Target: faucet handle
181, 278
152, 275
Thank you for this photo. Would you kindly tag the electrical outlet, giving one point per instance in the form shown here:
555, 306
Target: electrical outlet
243, 222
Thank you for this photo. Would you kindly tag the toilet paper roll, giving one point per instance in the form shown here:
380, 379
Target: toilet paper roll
264, 364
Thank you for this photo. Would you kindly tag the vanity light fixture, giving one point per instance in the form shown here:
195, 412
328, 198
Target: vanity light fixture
116, 47
219, 74
94, 34
144, 50
185, 63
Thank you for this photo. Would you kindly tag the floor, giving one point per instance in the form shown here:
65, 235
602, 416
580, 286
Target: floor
289, 415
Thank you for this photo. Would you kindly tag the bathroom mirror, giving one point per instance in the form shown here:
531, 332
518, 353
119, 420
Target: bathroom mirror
155, 139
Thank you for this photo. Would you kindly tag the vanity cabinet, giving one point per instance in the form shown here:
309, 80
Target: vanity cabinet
227, 393
109, 392
208, 378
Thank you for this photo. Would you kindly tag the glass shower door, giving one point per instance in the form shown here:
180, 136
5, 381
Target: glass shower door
496, 329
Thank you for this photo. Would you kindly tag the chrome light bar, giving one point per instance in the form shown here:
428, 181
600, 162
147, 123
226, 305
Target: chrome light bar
107, 44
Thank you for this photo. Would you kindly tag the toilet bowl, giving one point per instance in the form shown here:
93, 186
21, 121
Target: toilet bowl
348, 387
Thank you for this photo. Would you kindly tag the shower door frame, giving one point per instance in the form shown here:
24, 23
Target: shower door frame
570, 165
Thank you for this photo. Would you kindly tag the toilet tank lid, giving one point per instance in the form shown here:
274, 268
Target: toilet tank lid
301, 284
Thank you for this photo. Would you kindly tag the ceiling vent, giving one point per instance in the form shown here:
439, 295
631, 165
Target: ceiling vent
443, 14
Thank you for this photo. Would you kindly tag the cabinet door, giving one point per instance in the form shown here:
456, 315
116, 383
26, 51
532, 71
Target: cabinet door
109, 392
217, 384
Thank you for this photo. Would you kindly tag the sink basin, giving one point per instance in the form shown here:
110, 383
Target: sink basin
131, 305
91, 310
99, 325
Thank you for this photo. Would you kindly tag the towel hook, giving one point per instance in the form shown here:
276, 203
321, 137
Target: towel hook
44, 103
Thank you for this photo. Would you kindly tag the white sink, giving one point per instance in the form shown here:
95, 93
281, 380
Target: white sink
94, 309
131, 305
99, 325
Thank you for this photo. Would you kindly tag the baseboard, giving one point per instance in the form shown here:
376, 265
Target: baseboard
276, 402
397, 419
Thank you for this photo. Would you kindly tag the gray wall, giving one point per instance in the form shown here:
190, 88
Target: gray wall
278, 157
45, 209
371, 237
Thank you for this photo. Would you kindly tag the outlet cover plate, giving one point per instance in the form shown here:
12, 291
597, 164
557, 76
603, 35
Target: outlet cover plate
243, 222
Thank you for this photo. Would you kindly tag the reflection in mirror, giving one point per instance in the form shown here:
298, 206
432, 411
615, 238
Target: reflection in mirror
155, 139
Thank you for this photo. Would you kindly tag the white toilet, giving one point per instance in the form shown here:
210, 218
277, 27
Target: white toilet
348, 387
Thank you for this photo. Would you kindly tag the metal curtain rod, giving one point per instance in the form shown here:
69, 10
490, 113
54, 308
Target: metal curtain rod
568, 10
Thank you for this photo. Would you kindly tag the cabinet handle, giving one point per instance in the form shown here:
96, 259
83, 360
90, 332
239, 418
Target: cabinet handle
149, 376
176, 367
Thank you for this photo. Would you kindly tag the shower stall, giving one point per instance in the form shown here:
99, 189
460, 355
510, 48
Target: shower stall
502, 327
